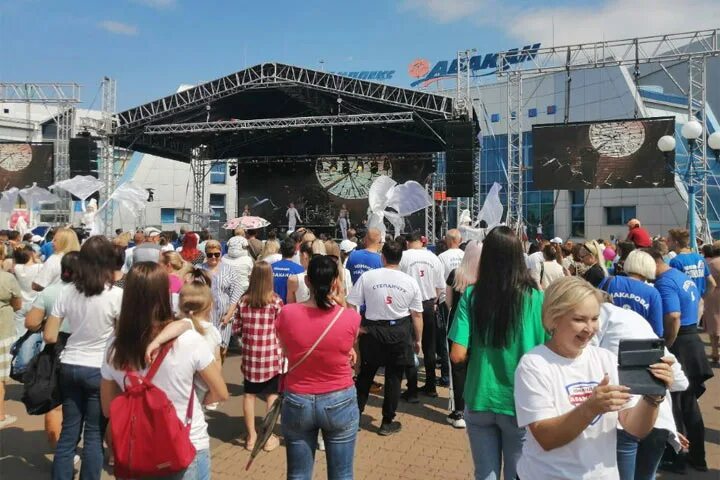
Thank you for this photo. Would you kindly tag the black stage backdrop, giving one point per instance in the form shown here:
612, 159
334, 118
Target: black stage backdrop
319, 186
21, 164
608, 154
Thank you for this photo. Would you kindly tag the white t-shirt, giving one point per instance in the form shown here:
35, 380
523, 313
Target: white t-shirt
302, 294
547, 273
26, 275
388, 294
451, 260
91, 319
548, 385
189, 354
533, 261
426, 269
272, 258
51, 271
617, 323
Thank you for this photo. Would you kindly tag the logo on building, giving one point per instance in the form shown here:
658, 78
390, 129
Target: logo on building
480, 65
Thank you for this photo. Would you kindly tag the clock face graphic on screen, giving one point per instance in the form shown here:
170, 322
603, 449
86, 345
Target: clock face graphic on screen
350, 179
15, 157
617, 139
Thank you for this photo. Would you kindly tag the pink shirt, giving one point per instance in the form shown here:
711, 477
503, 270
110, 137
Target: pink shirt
327, 369
176, 283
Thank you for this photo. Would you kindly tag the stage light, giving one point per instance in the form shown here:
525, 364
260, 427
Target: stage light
346, 167
151, 194
333, 166
233, 170
666, 143
692, 130
374, 167
360, 167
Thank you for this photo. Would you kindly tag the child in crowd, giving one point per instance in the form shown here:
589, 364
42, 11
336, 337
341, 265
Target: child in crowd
262, 358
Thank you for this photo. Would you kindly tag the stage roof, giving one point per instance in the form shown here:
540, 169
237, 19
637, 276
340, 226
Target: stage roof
274, 109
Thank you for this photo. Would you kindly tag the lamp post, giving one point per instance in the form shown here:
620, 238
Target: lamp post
691, 131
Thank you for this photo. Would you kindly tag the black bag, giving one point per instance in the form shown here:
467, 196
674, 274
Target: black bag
42, 390
23, 351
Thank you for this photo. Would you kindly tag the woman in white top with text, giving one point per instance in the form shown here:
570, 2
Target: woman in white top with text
64, 241
145, 312
89, 308
567, 393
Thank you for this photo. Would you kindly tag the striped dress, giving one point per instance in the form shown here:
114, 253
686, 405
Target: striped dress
9, 289
226, 292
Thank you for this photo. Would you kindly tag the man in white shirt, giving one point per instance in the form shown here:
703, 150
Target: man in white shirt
391, 330
452, 257
427, 270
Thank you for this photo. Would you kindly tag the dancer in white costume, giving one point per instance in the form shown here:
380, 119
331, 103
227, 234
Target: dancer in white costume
343, 221
293, 217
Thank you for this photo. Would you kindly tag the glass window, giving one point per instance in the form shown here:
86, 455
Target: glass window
218, 172
217, 205
618, 215
167, 215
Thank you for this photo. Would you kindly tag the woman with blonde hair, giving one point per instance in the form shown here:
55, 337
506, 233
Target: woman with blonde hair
270, 252
567, 393
262, 357
298, 290
64, 241
176, 269
332, 250
590, 255
459, 279
123, 239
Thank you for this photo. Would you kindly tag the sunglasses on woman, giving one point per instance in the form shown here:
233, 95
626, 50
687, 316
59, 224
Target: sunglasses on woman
214, 255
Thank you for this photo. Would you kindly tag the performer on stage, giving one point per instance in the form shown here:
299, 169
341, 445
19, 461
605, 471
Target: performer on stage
343, 221
293, 217
246, 211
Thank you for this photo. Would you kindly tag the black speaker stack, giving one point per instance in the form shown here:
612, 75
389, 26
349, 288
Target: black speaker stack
459, 158
83, 156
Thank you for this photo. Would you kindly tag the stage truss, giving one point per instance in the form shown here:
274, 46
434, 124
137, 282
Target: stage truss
692, 47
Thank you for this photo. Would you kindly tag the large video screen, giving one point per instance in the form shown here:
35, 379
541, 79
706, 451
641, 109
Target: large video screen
318, 187
21, 164
607, 154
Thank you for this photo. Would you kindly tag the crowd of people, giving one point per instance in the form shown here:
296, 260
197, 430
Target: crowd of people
527, 342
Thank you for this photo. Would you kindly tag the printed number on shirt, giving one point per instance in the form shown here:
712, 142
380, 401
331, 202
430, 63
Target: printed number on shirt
422, 273
388, 300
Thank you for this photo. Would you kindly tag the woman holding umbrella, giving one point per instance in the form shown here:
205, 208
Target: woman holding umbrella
226, 292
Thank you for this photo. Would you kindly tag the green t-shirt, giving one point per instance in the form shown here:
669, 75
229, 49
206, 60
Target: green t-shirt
490, 372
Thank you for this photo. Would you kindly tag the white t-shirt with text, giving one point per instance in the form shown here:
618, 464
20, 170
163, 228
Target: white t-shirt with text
388, 294
548, 385
91, 319
426, 269
50, 272
189, 354
451, 260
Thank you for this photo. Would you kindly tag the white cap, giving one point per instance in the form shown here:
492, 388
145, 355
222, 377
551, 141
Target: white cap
347, 246
36, 239
151, 232
556, 240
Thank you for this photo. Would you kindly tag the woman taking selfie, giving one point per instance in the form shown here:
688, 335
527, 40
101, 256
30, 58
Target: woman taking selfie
568, 395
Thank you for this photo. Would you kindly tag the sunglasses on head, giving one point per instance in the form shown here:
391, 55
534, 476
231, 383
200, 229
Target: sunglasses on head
214, 255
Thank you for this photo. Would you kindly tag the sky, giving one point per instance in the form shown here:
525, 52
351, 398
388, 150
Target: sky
152, 46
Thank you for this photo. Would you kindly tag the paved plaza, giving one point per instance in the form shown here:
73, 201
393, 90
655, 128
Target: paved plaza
427, 447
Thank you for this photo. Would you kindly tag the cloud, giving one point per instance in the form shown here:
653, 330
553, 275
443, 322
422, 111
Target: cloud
118, 28
157, 4
443, 11
611, 20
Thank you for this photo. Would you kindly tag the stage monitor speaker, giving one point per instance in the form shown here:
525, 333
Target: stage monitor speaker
459, 161
459, 134
83, 156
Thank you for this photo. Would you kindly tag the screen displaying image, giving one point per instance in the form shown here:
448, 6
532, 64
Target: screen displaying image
608, 154
22, 164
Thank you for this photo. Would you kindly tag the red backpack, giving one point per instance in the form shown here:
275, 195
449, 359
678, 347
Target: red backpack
148, 438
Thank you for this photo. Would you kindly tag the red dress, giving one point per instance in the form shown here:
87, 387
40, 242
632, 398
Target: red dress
640, 237
262, 357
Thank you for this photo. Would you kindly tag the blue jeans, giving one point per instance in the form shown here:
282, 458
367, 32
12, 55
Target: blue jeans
639, 460
199, 469
337, 415
495, 439
82, 415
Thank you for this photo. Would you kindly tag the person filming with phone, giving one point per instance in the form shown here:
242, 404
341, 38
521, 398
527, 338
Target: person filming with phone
567, 393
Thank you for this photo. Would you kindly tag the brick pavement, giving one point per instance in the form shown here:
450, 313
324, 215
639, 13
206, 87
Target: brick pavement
427, 447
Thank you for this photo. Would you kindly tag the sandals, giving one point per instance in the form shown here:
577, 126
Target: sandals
272, 443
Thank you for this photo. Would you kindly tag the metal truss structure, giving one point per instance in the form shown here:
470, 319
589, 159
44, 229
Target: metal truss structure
272, 75
280, 123
107, 149
463, 101
199, 169
64, 96
692, 47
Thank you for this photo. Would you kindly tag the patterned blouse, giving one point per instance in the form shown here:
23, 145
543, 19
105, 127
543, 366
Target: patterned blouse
262, 357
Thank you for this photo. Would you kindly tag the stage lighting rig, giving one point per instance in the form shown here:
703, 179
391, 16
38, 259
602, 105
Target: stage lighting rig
151, 194
233, 170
